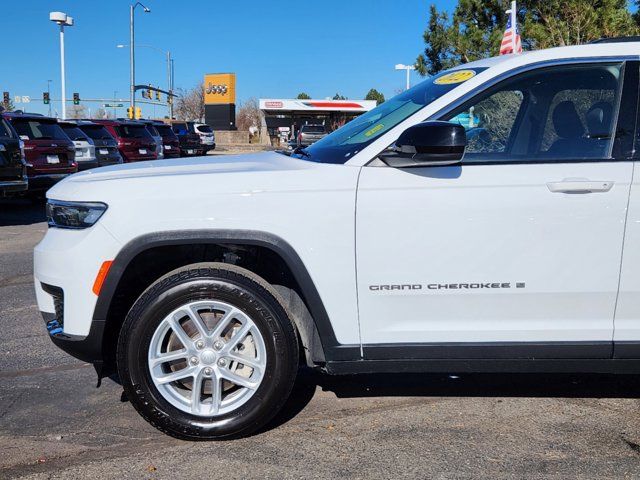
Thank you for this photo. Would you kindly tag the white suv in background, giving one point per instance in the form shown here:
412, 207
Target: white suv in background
207, 137
486, 220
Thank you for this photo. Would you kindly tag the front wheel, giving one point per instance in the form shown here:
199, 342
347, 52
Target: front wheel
208, 351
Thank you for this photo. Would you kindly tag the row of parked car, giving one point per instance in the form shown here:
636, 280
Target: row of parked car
38, 151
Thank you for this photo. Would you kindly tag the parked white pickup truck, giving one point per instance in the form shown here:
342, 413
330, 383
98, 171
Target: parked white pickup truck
487, 219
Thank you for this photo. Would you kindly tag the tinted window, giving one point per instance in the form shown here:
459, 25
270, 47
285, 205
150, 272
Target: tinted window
74, 133
313, 129
5, 129
37, 130
96, 132
204, 129
152, 130
556, 113
180, 128
165, 131
133, 131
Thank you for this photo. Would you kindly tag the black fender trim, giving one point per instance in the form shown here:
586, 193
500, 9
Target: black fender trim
333, 351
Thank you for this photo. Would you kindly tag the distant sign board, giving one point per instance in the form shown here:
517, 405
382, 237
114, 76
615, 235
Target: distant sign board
219, 88
296, 105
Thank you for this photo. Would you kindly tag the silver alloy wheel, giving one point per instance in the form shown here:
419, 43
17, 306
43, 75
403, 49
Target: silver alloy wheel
207, 358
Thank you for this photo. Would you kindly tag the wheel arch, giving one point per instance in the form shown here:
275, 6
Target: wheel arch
304, 302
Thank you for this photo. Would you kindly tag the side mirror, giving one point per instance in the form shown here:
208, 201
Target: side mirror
427, 144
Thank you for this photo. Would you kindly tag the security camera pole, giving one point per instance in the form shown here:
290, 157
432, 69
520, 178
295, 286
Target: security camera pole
63, 20
132, 55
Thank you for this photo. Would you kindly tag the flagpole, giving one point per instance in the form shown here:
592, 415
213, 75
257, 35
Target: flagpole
514, 26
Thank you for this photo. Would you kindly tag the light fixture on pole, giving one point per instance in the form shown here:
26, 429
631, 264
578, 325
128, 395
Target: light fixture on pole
132, 55
408, 68
169, 63
63, 20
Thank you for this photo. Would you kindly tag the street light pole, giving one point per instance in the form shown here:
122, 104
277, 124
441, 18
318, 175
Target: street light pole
132, 55
62, 19
408, 68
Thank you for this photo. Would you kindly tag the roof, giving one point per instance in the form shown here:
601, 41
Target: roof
28, 116
283, 105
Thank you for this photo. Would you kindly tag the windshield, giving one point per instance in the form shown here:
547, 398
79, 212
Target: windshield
96, 132
133, 131
204, 129
341, 145
74, 133
37, 130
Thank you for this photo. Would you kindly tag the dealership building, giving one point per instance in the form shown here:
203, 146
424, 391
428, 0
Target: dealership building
284, 117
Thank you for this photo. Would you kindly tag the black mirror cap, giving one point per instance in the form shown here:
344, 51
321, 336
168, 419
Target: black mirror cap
428, 143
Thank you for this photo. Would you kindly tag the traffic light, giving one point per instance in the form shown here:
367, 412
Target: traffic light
129, 113
5, 98
170, 98
158, 95
138, 113
149, 93
45, 98
76, 98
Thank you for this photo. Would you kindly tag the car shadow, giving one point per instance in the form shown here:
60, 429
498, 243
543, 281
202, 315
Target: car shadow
21, 211
463, 385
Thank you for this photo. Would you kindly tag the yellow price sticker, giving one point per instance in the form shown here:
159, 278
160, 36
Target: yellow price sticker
373, 130
455, 77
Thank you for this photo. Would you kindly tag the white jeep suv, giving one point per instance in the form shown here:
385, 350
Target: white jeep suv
487, 219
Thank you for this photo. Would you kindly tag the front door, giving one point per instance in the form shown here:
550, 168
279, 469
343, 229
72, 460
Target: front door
516, 252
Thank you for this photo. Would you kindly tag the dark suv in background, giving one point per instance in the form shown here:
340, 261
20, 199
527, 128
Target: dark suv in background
170, 142
135, 143
13, 171
106, 146
190, 144
50, 155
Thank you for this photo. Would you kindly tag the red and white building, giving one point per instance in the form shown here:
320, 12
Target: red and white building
284, 116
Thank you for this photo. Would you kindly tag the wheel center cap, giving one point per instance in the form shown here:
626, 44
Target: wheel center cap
208, 357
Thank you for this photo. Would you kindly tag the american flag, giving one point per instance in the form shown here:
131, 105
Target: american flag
507, 40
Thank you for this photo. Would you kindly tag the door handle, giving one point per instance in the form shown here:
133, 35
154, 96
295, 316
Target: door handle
580, 186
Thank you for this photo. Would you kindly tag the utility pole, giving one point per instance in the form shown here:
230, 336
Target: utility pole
62, 19
132, 54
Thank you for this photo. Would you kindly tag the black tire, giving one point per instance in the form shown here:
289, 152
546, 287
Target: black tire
222, 282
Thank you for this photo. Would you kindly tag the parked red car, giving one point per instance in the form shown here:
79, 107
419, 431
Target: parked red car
49, 153
170, 142
135, 143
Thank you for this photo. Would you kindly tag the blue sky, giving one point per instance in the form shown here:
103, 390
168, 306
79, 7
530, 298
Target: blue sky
277, 48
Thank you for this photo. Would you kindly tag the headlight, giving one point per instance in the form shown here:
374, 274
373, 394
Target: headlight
76, 215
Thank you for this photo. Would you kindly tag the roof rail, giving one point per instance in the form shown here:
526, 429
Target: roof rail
632, 38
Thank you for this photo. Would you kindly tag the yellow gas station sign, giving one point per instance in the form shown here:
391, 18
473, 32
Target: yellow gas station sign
219, 88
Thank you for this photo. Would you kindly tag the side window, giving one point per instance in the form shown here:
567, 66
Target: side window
551, 114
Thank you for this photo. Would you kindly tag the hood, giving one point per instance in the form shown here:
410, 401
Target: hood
177, 171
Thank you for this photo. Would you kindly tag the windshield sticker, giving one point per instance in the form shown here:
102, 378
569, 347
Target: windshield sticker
373, 130
455, 77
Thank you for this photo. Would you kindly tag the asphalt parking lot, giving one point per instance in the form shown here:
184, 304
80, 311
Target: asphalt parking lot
54, 423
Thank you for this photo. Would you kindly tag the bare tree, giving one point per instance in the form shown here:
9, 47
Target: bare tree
76, 111
249, 116
101, 113
190, 104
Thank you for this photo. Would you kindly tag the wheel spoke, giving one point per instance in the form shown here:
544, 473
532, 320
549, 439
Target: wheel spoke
254, 363
238, 336
169, 357
184, 338
196, 391
224, 322
197, 321
238, 379
216, 395
173, 376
